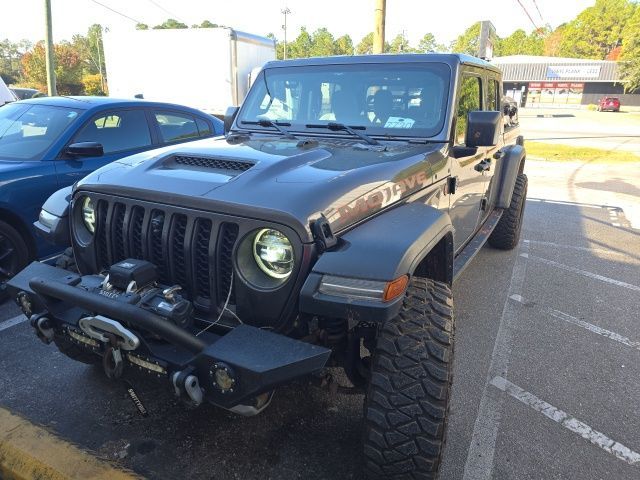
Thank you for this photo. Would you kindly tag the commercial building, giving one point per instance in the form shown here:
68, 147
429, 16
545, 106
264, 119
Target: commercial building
562, 82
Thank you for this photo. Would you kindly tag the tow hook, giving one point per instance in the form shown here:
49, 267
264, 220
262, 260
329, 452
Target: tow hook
43, 328
187, 387
112, 361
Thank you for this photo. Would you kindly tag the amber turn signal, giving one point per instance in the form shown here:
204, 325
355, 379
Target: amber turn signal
395, 288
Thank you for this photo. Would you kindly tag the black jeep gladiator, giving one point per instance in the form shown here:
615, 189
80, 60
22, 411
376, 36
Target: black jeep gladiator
324, 230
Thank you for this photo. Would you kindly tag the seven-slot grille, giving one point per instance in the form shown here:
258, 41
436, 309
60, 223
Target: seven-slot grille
192, 251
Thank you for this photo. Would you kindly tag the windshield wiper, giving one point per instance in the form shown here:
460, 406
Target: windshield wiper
264, 122
342, 127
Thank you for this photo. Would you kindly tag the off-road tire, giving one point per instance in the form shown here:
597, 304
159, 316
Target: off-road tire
74, 352
507, 233
67, 261
407, 402
19, 258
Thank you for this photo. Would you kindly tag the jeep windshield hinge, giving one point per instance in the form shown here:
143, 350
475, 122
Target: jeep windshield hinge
322, 234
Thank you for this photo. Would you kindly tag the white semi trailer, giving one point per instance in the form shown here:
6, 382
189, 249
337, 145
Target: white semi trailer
206, 68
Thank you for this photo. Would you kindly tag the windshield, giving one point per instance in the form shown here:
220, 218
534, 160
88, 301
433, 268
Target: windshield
27, 131
386, 99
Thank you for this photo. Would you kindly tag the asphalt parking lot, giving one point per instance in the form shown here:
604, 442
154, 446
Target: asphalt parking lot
546, 371
583, 128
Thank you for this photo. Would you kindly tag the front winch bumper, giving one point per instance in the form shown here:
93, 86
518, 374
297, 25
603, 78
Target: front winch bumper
229, 370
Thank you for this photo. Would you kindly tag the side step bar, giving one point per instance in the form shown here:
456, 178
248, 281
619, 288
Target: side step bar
476, 243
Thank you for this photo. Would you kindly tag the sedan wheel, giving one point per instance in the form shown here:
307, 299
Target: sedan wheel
13, 255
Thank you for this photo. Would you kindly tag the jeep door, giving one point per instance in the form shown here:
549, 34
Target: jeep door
493, 94
467, 187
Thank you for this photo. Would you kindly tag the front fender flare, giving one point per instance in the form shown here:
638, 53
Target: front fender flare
384, 248
513, 156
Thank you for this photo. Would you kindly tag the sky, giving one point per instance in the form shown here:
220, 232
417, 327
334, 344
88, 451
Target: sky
445, 19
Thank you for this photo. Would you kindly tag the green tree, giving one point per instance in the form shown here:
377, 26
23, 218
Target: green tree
428, 44
343, 45
467, 42
206, 24
399, 45
519, 43
596, 30
10, 55
322, 43
142, 26
301, 46
630, 54
170, 24
365, 46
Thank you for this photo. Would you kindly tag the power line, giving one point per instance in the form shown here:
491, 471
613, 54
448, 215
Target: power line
538, 9
117, 12
173, 15
527, 13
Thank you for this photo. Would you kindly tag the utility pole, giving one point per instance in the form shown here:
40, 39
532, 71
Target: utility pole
378, 31
285, 12
48, 49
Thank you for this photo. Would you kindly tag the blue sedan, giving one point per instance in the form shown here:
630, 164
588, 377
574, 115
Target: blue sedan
49, 143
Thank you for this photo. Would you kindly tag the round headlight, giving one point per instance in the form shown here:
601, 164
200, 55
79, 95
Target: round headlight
273, 253
89, 214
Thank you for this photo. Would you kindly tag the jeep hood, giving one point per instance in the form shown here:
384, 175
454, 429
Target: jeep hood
289, 181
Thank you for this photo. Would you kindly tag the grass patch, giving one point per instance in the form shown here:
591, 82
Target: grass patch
563, 153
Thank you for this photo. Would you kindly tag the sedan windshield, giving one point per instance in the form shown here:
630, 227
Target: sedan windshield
27, 130
392, 99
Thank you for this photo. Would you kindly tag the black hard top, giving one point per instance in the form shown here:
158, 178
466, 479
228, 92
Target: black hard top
448, 58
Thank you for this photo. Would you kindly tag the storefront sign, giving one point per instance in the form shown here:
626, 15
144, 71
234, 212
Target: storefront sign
554, 93
573, 71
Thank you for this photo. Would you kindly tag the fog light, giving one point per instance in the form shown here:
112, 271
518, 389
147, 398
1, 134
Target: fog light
223, 378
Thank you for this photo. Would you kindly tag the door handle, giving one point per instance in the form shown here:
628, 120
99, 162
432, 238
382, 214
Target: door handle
483, 166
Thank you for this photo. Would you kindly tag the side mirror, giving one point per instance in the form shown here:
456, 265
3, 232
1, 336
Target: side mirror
483, 129
229, 118
85, 149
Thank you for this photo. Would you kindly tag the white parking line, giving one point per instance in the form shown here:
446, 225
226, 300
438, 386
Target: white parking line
479, 463
602, 251
12, 321
586, 325
567, 421
585, 273
560, 202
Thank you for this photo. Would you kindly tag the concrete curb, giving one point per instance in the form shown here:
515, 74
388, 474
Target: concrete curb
28, 452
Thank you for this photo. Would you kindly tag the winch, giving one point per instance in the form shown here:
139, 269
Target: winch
135, 282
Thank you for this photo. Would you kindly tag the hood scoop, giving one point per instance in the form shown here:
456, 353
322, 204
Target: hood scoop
197, 162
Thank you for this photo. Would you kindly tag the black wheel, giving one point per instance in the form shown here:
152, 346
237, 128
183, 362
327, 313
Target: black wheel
14, 255
507, 233
407, 402
67, 261
74, 352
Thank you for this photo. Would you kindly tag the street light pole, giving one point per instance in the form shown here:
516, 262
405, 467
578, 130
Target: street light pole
48, 49
285, 12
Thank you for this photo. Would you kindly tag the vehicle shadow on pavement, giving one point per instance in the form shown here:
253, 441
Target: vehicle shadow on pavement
617, 185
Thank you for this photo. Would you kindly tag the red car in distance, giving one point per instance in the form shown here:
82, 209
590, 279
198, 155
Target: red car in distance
609, 103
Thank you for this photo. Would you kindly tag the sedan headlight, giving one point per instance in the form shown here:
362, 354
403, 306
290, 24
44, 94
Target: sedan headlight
273, 253
89, 214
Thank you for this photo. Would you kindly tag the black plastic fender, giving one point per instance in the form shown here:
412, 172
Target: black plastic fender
57, 229
384, 248
510, 165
